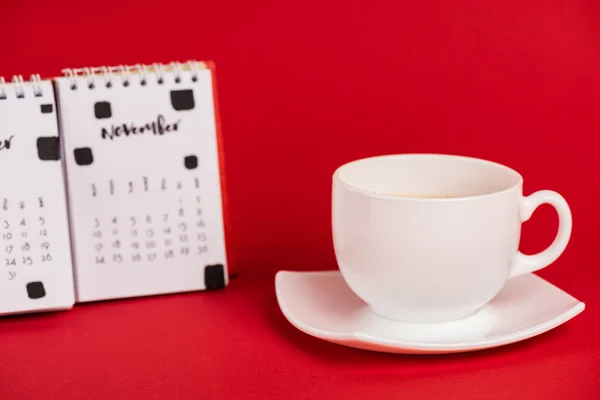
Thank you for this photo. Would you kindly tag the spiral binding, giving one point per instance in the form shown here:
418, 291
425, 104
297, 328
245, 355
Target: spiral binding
125, 73
18, 86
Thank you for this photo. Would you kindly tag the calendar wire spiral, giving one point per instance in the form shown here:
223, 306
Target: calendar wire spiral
17, 86
123, 74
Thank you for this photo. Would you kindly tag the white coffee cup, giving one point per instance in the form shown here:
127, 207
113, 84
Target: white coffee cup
433, 238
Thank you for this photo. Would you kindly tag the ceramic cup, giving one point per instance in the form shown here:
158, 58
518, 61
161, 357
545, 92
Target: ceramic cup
433, 238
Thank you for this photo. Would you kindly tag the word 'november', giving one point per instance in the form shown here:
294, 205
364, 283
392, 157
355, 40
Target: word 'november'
157, 127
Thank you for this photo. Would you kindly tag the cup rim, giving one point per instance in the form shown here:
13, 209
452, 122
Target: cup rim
336, 178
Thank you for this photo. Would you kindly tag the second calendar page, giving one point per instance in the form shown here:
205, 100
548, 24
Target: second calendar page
144, 190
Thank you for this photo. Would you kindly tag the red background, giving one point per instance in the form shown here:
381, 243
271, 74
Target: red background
305, 86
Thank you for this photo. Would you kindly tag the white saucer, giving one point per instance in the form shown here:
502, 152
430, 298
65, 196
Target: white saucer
322, 305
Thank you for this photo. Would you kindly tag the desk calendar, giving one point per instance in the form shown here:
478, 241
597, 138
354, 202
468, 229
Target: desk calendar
142, 163
36, 272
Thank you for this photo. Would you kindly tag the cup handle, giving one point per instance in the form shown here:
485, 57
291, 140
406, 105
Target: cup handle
525, 264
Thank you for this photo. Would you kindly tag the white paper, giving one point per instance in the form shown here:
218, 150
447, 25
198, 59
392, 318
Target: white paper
36, 272
145, 220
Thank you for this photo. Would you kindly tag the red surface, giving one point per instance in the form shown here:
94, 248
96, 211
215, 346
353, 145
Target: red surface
305, 86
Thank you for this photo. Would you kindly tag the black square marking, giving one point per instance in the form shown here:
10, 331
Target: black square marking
83, 156
191, 162
36, 290
48, 148
214, 276
102, 110
47, 108
182, 99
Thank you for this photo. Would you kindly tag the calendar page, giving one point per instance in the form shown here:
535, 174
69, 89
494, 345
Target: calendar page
144, 186
36, 272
